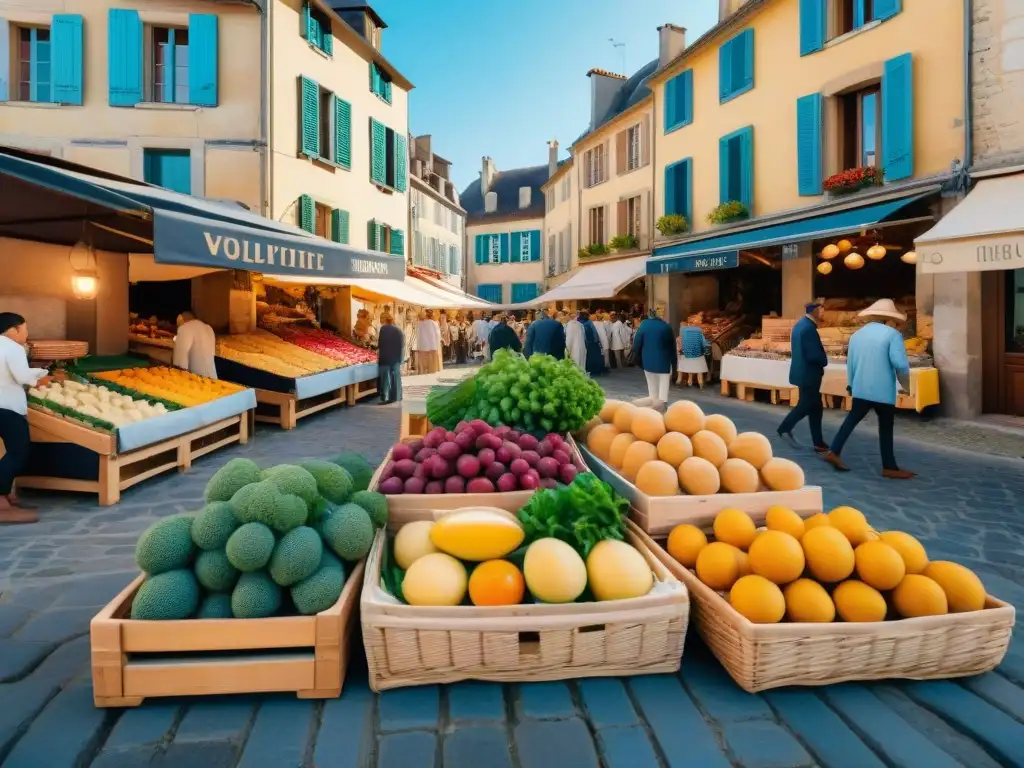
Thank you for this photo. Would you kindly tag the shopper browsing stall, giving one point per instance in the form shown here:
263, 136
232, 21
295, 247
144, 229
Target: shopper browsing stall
692, 346
545, 336
806, 370
575, 342
390, 351
654, 349
428, 344
15, 375
618, 340
195, 346
503, 336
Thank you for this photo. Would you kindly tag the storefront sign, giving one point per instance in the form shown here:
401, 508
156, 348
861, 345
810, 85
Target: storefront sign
727, 260
193, 241
972, 256
790, 251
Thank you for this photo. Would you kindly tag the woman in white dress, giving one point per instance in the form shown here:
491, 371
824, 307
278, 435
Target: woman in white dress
575, 343
692, 346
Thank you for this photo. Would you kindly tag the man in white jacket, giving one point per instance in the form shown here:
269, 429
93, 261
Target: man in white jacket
575, 342
618, 340
195, 346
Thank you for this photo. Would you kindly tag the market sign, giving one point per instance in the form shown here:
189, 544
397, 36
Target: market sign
198, 241
697, 263
972, 255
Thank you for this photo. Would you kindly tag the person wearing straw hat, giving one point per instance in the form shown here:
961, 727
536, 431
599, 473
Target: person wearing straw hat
876, 361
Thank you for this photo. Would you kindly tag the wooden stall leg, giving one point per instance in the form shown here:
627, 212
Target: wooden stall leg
774, 396
847, 403
109, 481
288, 417
244, 426
725, 388
184, 455
350, 394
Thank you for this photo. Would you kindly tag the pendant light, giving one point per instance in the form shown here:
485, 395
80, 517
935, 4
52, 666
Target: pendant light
825, 268
876, 252
85, 282
910, 257
853, 260
830, 251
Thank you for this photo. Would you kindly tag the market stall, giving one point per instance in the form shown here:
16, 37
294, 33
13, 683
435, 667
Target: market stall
610, 283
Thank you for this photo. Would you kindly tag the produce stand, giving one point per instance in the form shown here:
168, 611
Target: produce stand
414, 645
657, 515
69, 455
414, 399
158, 349
283, 401
760, 657
134, 660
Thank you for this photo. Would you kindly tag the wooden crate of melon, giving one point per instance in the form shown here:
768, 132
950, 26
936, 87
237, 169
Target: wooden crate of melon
485, 594
783, 600
686, 467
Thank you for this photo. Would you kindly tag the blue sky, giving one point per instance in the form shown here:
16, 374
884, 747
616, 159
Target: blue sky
502, 78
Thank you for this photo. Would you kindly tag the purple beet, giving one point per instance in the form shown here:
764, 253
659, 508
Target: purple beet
415, 446
556, 440
455, 484
481, 427
392, 486
514, 436
467, 466
405, 468
439, 468
544, 448
422, 472
414, 485
548, 483
495, 470
435, 437
528, 443
449, 451
401, 451
465, 440
561, 456
567, 473
434, 487
507, 482
425, 453
479, 485
531, 457
461, 426
449, 436
502, 431
486, 457
529, 481
519, 467
547, 467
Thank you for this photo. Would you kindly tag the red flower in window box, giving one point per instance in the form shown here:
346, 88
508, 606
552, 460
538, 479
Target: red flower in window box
853, 180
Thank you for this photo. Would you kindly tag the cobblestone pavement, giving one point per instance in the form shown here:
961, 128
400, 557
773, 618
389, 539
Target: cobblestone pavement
54, 575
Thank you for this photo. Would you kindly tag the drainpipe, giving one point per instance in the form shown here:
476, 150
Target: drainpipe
267, 106
968, 90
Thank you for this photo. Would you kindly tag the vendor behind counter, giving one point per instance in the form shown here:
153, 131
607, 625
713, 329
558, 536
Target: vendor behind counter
195, 346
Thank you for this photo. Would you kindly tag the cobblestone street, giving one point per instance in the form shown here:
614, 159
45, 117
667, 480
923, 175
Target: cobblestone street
967, 504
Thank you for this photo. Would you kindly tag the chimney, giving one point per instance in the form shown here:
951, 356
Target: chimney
727, 8
486, 176
552, 157
671, 42
525, 193
603, 88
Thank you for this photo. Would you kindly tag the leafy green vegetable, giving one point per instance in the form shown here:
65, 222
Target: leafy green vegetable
446, 406
581, 514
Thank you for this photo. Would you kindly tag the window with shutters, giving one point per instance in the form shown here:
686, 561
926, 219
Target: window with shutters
454, 260
521, 243
861, 128
325, 125
736, 66
322, 223
33, 65
678, 101
440, 213
634, 136
494, 250
316, 28
169, 65
596, 225
380, 82
594, 165
388, 157
632, 211
549, 200
566, 187
736, 167
168, 168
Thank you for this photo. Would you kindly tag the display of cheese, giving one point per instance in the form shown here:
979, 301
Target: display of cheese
173, 384
266, 352
98, 402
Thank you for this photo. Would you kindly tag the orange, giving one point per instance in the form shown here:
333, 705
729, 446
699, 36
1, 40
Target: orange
496, 582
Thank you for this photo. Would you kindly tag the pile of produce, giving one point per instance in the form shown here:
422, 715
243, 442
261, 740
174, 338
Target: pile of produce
96, 405
477, 458
272, 542
152, 328
174, 384
325, 343
684, 451
538, 395
828, 567
266, 352
566, 546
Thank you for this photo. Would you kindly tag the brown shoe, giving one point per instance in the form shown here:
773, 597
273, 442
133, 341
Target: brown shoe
898, 474
821, 450
835, 461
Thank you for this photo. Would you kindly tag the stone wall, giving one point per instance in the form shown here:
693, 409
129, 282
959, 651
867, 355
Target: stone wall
998, 82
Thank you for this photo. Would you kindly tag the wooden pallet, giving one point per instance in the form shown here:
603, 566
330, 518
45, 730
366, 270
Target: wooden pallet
118, 471
363, 389
134, 660
284, 409
745, 391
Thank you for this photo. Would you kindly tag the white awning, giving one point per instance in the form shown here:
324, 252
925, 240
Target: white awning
452, 297
984, 232
142, 268
409, 291
597, 281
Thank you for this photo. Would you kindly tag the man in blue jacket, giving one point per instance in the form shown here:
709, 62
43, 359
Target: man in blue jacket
806, 370
545, 336
654, 349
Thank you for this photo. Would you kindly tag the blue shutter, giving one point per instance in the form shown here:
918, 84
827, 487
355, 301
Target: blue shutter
886, 9
812, 26
401, 162
670, 189
490, 292
339, 226
671, 94
168, 168
522, 292
374, 78
5, 60
378, 152
327, 37
387, 91
481, 249
66, 52
342, 133
307, 213
723, 169
808, 144
310, 26
746, 39
397, 242
309, 106
504, 247
747, 174
535, 245
202, 59
371, 235
725, 70
124, 57
686, 185
898, 118
687, 86
859, 14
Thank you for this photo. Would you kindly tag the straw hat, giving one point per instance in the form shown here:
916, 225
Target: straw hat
883, 308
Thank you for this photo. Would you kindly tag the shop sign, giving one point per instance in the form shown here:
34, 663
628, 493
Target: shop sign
727, 260
972, 256
790, 251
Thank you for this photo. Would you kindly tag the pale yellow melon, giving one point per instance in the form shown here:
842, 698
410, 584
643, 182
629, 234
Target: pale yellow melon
648, 425
699, 477
757, 599
638, 454
684, 416
721, 426
708, 445
918, 595
586, 428
608, 410
856, 601
782, 475
738, 476
964, 590
807, 600
752, 447
617, 451
656, 478
623, 419
675, 448
599, 441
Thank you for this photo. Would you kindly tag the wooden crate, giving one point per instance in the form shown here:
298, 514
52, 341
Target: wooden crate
760, 657
745, 391
412, 645
135, 660
118, 471
361, 390
284, 409
657, 515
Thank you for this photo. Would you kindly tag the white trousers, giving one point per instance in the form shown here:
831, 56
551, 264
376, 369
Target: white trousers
657, 386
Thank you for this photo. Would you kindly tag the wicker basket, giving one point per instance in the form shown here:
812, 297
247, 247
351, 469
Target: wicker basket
764, 656
408, 645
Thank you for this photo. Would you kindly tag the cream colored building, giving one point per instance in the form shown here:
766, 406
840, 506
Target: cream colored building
504, 228
561, 220
436, 220
339, 130
168, 93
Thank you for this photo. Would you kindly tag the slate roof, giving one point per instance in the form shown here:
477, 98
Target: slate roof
632, 91
507, 184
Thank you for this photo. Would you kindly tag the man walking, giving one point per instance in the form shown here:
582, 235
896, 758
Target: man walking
654, 348
503, 336
806, 370
618, 338
876, 361
545, 336
575, 343
390, 351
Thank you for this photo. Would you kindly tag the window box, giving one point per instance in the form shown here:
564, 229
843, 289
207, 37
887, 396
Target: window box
594, 249
672, 224
853, 180
624, 243
728, 212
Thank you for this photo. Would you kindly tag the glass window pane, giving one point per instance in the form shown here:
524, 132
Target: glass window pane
869, 126
735, 169
1015, 311
25, 91
43, 34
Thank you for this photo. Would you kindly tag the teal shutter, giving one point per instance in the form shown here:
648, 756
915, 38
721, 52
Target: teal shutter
677, 188
374, 78
898, 118
747, 174
327, 37
747, 78
342, 133
812, 26
860, 14
535, 245
339, 226
687, 88
671, 94
808, 143
522, 292
401, 162
202, 59
310, 26
670, 189
504, 247
397, 242
307, 213
371, 236
725, 70
490, 292
124, 57
378, 152
886, 9
687, 186
66, 53
309, 136
723, 169
480, 252
387, 91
